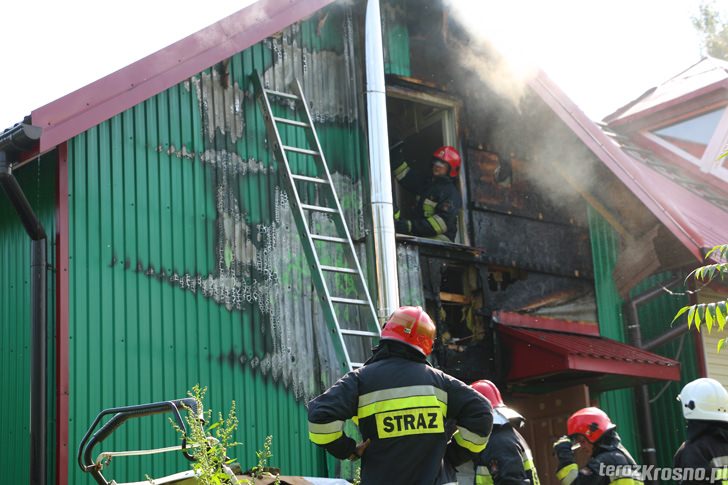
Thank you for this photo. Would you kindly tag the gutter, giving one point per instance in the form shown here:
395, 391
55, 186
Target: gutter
642, 397
21, 138
385, 247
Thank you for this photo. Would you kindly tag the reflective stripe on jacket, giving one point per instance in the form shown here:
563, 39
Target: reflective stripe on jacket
705, 453
506, 460
607, 451
438, 204
401, 404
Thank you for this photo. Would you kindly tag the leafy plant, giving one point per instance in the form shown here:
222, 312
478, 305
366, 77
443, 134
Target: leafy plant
211, 465
357, 476
262, 469
713, 29
709, 314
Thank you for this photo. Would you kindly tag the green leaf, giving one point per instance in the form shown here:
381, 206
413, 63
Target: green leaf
709, 316
691, 315
679, 313
697, 318
719, 315
720, 344
216, 425
721, 249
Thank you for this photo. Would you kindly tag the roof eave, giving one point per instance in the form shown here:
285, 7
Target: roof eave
80, 110
639, 116
604, 149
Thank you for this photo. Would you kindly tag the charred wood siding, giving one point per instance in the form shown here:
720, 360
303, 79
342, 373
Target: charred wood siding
520, 228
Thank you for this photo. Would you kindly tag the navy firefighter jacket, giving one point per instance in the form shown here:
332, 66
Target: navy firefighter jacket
401, 404
706, 451
507, 460
608, 453
436, 211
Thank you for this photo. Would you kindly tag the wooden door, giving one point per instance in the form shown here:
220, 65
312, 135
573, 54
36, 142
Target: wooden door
546, 416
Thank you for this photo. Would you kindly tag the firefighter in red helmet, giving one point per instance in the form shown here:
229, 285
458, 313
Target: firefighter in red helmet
609, 461
401, 405
438, 202
507, 458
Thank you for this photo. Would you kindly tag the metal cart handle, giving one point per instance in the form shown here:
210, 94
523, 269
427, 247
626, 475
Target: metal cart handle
121, 415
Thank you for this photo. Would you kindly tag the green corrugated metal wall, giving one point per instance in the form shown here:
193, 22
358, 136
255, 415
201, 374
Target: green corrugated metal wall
605, 247
185, 264
655, 317
396, 39
37, 180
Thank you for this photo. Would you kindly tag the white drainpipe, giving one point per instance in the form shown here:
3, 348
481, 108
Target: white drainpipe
385, 247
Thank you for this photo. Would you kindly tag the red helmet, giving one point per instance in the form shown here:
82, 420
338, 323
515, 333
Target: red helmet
412, 326
590, 422
489, 391
450, 156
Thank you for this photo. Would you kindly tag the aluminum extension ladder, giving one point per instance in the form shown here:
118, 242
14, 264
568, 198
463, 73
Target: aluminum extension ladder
348, 341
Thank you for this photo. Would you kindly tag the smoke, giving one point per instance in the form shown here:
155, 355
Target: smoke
498, 48
503, 46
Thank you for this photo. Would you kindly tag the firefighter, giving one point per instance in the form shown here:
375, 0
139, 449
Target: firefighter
705, 407
507, 459
609, 462
401, 405
438, 203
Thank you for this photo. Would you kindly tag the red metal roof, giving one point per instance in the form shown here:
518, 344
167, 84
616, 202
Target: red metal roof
687, 215
680, 205
513, 319
707, 75
539, 353
87, 107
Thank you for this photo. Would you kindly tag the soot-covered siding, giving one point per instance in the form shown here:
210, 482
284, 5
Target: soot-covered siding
186, 266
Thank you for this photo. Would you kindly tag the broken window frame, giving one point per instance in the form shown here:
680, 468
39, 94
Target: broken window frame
450, 121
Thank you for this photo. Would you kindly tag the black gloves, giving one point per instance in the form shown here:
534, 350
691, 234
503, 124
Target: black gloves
562, 450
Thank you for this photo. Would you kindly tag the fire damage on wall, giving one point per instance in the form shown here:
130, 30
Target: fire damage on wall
523, 242
257, 265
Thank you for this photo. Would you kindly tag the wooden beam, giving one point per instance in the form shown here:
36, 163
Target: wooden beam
455, 298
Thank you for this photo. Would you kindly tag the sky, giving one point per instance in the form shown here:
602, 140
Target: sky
602, 54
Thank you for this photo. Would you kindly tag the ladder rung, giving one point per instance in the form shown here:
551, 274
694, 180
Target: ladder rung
337, 269
329, 238
305, 151
309, 179
291, 122
281, 94
348, 301
360, 333
319, 208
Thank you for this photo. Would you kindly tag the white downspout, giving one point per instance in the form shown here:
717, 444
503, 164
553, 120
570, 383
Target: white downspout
385, 247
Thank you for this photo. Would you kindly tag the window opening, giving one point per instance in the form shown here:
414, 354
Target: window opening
700, 140
454, 297
692, 135
418, 125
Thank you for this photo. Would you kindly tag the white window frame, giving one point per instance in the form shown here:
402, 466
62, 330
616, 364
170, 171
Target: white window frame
718, 144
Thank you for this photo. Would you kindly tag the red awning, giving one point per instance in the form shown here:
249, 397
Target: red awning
539, 351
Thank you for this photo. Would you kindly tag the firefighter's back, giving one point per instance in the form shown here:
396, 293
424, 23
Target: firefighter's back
402, 409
